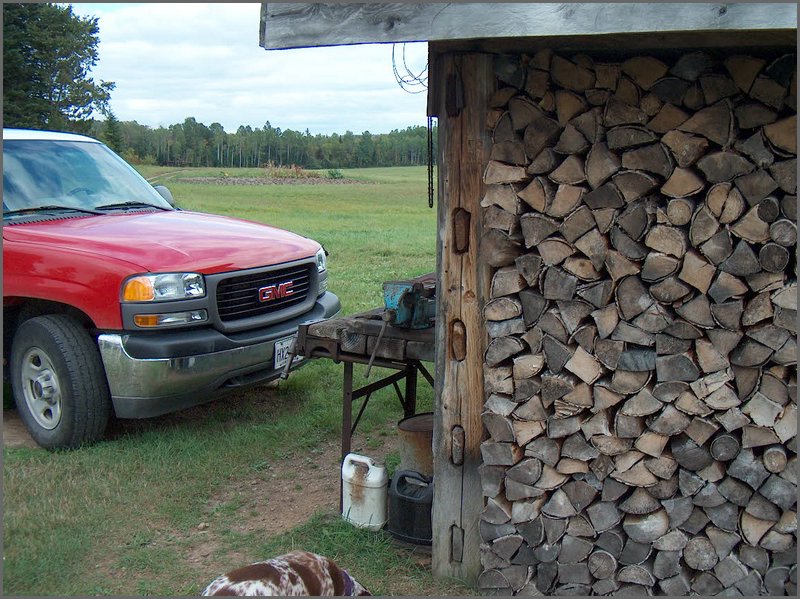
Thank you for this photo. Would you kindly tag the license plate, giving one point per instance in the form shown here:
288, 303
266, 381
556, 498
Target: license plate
282, 347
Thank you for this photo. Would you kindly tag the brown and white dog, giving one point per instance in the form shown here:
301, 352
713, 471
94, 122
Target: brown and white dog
299, 573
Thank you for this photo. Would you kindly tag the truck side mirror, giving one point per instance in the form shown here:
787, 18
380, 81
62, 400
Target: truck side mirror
166, 194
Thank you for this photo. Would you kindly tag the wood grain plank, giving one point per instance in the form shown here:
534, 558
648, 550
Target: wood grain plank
298, 25
462, 282
446, 515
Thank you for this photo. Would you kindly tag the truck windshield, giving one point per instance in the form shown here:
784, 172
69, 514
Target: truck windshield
71, 174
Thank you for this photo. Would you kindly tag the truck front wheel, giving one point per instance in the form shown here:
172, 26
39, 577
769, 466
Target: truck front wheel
59, 382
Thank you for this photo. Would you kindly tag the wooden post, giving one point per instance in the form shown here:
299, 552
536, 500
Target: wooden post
465, 83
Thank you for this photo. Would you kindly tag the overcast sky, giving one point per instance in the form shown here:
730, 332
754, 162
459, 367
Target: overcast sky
173, 61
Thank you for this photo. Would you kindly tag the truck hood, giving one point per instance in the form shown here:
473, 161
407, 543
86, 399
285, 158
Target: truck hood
169, 241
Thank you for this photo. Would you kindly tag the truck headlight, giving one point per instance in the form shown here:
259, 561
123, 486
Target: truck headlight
163, 287
322, 262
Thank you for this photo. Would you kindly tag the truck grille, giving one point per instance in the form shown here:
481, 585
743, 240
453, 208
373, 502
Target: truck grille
239, 297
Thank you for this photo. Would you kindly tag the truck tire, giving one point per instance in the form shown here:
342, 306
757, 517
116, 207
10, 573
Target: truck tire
59, 382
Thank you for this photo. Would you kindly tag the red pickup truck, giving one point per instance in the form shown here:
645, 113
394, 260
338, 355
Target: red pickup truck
114, 299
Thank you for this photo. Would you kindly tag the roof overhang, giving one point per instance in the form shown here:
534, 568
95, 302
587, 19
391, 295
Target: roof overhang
303, 25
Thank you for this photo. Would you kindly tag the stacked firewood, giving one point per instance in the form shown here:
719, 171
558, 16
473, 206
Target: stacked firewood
641, 379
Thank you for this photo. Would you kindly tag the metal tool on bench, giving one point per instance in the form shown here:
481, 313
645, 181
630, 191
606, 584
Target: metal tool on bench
407, 304
411, 304
292, 355
288, 366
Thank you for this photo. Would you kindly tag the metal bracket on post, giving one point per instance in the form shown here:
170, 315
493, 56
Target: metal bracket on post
458, 340
461, 226
456, 544
457, 445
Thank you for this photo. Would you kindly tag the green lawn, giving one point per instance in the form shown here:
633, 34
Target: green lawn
119, 517
378, 230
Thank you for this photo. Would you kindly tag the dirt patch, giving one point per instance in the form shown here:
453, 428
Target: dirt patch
269, 181
285, 495
290, 491
14, 432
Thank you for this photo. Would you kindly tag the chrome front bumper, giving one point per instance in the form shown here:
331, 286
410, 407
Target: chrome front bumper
145, 387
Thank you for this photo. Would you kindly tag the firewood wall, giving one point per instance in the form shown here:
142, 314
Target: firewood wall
639, 229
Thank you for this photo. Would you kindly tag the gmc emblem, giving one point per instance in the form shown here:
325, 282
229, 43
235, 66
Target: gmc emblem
273, 292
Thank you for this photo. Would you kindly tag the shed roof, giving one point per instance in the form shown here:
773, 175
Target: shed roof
298, 25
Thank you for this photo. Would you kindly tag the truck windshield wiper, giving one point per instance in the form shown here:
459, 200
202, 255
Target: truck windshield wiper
48, 208
130, 205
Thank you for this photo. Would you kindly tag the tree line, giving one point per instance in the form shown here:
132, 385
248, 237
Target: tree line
192, 143
48, 55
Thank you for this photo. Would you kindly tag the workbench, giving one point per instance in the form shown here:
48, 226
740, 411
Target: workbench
352, 340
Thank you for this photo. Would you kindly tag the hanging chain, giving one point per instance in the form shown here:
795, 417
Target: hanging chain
430, 162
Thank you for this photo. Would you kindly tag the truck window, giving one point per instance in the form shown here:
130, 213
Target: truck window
71, 174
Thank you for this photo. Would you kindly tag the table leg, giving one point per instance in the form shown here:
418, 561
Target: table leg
411, 391
347, 420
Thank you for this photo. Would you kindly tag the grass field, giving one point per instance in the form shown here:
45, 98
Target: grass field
375, 231
120, 517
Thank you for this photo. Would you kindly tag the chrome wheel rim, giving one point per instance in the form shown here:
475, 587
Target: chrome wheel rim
41, 388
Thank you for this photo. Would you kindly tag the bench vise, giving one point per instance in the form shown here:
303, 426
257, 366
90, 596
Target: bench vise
410, 304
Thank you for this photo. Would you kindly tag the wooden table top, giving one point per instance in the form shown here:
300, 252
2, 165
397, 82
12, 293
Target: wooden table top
357, 334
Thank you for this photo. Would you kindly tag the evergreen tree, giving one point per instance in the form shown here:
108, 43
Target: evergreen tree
112, 133
47, 54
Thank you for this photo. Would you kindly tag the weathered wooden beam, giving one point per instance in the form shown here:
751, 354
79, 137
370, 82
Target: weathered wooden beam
464, 280
289, 25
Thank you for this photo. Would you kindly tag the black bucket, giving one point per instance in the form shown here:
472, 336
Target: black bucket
410, 505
